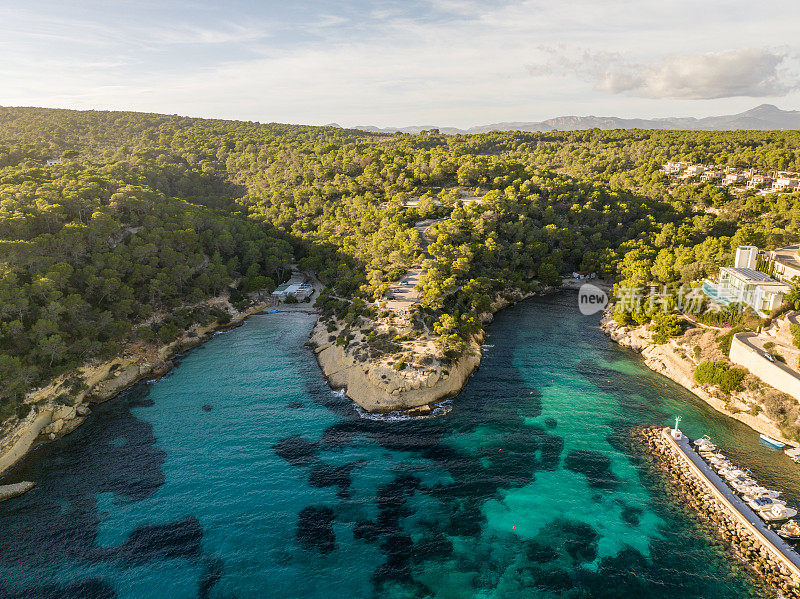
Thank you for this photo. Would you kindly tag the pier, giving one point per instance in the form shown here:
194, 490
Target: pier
749, 537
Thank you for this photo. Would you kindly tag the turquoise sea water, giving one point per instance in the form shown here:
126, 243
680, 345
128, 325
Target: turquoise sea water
241, 474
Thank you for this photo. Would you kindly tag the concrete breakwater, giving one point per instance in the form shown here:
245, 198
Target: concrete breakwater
746, 539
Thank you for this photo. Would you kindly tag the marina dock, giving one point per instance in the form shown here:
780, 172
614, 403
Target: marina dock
737, 505
775, 562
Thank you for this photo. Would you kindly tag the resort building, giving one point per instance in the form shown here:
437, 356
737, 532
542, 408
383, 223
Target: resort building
673, 167
709, 176
695, 169
734, 179
757, 181
743, 284
786, 183
297, 286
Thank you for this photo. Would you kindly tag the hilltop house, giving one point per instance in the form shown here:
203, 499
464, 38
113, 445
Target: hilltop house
734, 178
743, 284
695, 169
759, 181
672, 167
786, 182
709, 176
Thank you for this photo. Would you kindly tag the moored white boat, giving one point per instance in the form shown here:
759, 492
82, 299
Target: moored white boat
774, 443
719, 465
756, 492
761, 504
733, 474
778, 513
704, 444
789, 531
793, 453
742, 485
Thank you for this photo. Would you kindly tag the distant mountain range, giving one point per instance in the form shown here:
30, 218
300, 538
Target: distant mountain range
764, 117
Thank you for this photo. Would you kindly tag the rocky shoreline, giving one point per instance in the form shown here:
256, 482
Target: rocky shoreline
720, 519
50, 418
377, 388
665, 359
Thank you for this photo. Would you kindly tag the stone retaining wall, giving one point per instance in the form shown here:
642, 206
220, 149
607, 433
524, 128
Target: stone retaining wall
744, 354
697, 492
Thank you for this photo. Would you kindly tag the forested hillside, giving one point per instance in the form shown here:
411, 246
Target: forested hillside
147, 215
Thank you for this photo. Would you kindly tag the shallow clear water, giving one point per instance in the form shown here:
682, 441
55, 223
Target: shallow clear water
242, 475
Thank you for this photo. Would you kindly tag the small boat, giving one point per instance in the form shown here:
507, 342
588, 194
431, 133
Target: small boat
723, 472
704, 444
733, 474
790, 531
273, 311
773, 443
743, 485
717, 456
756, 492
793, 453
761, 504
719, 464
777, 513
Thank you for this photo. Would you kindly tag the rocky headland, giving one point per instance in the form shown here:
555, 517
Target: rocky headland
677, 360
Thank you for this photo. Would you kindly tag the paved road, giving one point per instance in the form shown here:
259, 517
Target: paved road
747, 339
738, 502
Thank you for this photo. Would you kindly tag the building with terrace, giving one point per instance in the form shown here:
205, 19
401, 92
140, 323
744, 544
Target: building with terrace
743, 284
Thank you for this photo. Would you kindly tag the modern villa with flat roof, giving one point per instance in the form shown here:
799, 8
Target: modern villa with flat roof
742, 283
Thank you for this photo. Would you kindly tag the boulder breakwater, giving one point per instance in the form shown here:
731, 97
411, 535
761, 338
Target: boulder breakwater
696, 491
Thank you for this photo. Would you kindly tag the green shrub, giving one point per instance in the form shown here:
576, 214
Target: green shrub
795, 330
623, 319
665, 326
719, 373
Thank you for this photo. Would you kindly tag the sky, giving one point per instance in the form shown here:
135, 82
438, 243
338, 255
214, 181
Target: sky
413, 62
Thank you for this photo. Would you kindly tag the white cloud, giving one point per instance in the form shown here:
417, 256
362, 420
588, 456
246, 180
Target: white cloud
188, 34
746, 72
749, 72
446, 62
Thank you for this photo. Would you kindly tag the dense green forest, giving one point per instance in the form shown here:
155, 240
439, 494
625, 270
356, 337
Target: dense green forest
147, 215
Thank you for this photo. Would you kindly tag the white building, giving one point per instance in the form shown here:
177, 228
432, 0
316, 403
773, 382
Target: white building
673, 167
734, 179
746, 256
745, 285
785, 263
786, 182
758, 181
710, 176
297, 286
299, 291
695, 169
